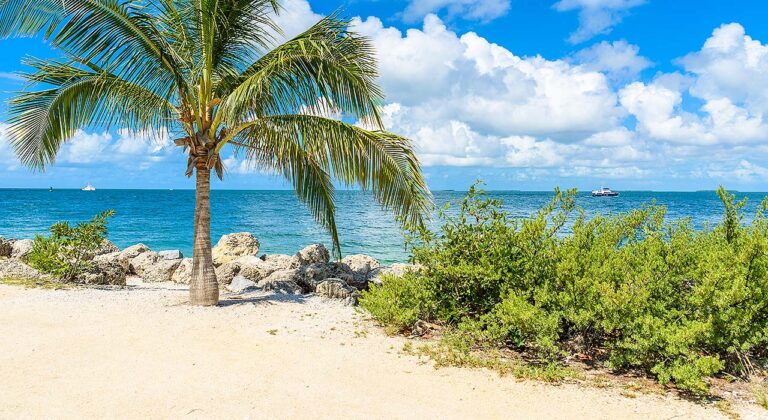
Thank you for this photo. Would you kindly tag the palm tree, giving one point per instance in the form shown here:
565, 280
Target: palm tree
211, 71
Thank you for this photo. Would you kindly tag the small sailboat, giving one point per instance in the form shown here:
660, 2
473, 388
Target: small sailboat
89, 187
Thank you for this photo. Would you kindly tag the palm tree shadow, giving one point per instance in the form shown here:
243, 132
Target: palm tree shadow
269, 299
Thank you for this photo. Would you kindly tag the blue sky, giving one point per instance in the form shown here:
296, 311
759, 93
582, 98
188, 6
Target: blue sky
526, 94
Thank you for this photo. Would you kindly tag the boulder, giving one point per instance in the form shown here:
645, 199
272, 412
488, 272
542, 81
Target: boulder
106, 271
361, 263
107, 247
22, 248
313, 274
133, 251
375, 277
226, 272
114, 257
171, 255
313, 254
256, 269
141, 263
282, 281
183, 273
160, 271
282, 261
361, 267
13, 268
6, 247
338, 289
235, 245
241, 284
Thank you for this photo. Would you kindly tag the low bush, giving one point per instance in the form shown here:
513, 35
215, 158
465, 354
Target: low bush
68, 252
632, 291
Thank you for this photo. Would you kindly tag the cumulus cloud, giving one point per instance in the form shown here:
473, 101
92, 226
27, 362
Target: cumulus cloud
8, 159
482, 10
728, 75
295, 17
620, 60
469, 79
596, 17
134, 149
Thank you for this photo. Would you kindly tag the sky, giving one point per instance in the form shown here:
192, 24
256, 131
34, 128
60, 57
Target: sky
524, 94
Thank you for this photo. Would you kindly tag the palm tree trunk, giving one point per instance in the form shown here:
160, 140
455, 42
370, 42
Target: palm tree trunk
203, 288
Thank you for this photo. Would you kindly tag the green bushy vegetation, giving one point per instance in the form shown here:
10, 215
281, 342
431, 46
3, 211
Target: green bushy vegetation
632, 291
68, 252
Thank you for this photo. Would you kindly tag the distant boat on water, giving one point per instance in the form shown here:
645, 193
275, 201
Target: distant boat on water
89, 187
604, 192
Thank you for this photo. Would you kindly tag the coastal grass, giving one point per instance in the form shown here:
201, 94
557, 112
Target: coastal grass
33, 283
630, 292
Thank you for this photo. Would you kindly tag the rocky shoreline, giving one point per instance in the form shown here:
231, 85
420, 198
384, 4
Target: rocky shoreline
239, 268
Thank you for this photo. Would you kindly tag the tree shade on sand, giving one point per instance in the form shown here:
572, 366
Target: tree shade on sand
213, 73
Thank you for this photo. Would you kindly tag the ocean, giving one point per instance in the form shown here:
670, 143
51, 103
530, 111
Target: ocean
162, 219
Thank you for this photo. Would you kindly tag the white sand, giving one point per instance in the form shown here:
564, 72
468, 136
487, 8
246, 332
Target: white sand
145, 353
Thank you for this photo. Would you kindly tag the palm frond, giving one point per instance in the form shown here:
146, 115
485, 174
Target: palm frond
109, 33
309, 177
375, 161
327, 62
41, 121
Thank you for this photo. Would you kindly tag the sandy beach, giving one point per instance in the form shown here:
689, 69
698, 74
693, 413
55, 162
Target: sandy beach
143, 352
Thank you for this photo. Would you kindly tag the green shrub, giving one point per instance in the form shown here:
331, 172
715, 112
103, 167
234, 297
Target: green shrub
401, 303
68, 252
633, 290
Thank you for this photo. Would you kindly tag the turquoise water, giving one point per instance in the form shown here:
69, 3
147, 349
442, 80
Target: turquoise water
162, 219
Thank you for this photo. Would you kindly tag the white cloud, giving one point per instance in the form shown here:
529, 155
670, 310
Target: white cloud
296, 17
733, 65
8, 159
596, 17
468, 79
86, 147
620, 60
482, 10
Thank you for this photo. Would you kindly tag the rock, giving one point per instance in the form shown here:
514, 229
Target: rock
241, 284
133, 251
226, 272
183, 273
313, 254
361, 263
107, 247
171, 255
282, 281
13, 268
141, 263
106, 271
235, 245
313, 274
338, 289
160, 271
398, 270
22, 248
114, 257
6, 247
256, 269
361, 266
282, 261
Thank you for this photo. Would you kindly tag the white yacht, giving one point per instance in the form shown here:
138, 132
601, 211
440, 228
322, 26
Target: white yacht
604, 192
89, 187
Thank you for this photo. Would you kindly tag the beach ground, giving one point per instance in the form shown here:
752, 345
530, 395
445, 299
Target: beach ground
143, 352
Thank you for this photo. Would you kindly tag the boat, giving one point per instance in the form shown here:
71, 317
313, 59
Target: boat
604, 192
89, 187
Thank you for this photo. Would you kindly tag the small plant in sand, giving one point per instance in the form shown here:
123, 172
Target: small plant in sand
69, 251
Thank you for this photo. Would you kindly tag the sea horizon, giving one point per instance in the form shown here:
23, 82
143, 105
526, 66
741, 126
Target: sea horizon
162, 218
